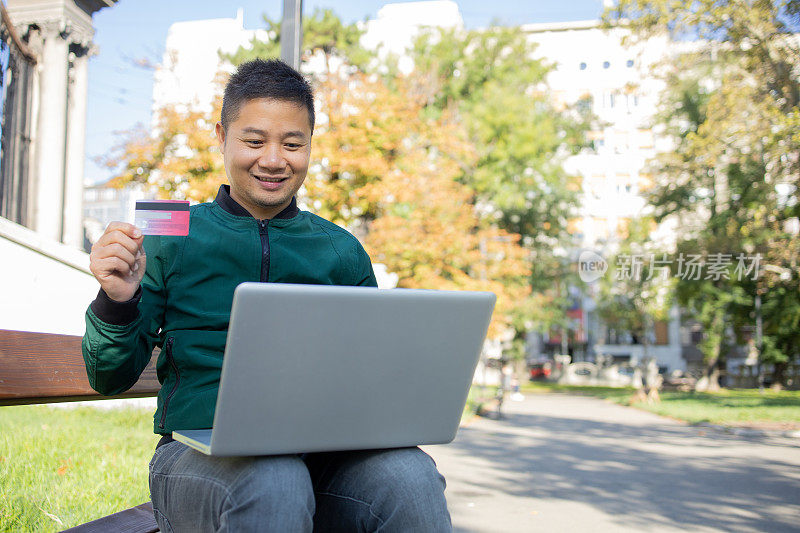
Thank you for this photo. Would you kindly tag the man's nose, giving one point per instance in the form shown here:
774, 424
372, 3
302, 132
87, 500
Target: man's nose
271, 157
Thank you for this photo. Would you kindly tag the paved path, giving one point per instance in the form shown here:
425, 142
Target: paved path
569, 463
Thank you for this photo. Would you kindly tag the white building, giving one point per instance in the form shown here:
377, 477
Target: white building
191, 60
41, 186
46, 284
593, 66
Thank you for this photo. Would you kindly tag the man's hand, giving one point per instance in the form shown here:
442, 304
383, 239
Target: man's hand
118, 260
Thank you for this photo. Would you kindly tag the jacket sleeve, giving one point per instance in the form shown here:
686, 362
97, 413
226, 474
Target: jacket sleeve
364, 275
120, 336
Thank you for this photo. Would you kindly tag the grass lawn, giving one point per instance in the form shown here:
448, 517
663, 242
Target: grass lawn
737, 407
63, 467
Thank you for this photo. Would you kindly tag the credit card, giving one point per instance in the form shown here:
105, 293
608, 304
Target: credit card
162, 217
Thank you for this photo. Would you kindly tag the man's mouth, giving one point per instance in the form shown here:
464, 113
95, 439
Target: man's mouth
268, 179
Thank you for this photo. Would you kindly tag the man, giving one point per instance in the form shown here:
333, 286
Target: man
177, 292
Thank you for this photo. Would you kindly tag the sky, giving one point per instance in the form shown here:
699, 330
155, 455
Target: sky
120, 93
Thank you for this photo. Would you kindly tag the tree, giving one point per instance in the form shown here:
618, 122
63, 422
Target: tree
323, 33
731, 109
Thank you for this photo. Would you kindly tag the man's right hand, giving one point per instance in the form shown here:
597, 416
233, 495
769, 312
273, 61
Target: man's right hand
118, 260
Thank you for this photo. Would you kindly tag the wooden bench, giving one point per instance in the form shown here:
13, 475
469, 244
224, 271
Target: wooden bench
46, 368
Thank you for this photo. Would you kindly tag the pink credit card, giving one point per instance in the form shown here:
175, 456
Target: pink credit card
162, 217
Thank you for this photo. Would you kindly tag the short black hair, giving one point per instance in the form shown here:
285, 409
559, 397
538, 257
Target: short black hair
265, 78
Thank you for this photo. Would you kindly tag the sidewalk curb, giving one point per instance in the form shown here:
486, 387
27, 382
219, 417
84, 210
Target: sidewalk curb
730, 430
750, 432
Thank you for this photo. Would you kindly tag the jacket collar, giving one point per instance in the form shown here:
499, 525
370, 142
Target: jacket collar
232, 206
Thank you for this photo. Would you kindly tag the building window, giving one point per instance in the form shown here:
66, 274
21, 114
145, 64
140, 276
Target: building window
583, 66
606, 64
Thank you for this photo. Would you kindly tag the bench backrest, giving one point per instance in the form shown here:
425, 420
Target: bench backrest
45, 368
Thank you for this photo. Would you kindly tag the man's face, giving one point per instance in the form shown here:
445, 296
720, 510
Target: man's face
266, 152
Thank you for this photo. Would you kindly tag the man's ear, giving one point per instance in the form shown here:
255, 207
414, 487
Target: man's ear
220, 131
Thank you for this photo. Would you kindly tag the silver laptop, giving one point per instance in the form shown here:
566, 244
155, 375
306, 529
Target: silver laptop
312, 368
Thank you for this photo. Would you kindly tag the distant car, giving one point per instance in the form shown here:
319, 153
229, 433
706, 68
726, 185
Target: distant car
539, 370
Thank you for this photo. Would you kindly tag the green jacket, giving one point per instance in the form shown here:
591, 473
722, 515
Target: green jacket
185, 298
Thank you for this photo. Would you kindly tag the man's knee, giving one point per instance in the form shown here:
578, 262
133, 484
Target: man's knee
196, 492
411, 470
272, 494
284, 479
405, 488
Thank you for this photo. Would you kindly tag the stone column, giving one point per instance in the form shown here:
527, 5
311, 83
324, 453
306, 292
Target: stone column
57, 29
51, 131
72, 222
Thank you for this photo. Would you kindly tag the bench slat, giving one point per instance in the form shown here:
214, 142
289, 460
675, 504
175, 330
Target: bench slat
139, 519
45, 367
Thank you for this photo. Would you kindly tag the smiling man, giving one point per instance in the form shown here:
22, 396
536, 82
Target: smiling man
176, 292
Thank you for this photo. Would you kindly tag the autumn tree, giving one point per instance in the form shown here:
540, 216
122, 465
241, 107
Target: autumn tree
391, 172
178, 158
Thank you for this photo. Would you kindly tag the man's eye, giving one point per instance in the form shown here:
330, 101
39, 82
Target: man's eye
253, 142
293, 146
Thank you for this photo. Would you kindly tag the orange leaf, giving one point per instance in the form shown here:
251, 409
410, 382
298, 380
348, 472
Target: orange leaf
65, 465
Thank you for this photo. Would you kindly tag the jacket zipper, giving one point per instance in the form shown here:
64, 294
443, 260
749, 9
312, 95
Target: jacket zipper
263, 232
171, 361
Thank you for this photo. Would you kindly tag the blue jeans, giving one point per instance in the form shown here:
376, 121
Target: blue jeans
372, 490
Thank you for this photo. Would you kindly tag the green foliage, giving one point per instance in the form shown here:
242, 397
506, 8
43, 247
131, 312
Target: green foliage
489, 80
322, 31
64, 467
780, 309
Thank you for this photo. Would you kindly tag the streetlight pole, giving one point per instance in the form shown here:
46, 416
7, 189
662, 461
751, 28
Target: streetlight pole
292, 32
